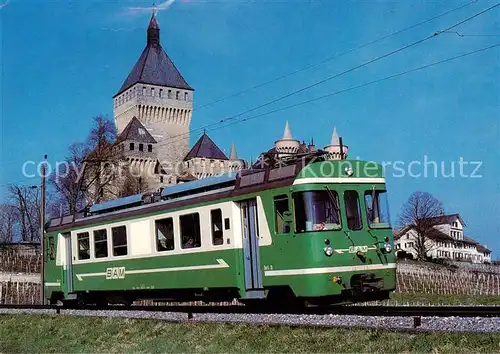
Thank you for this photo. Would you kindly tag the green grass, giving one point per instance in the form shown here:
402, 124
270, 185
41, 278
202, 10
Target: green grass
64, 334
435, 299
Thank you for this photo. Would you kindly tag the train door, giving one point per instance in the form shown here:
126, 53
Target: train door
68, 266
250, 231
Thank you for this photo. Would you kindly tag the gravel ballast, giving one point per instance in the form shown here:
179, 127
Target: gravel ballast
450, 324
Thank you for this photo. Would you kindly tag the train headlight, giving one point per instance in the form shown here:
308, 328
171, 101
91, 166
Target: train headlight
328, 251
337, 280
388, 247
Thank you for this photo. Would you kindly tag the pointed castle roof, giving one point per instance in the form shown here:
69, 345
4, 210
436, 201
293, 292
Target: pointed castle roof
287, 133
206, 148
233, 155
335, 137
137, 132
154, 66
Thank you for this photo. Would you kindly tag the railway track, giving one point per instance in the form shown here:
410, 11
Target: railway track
386, 311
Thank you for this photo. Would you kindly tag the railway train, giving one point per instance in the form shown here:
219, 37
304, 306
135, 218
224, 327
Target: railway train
310, 232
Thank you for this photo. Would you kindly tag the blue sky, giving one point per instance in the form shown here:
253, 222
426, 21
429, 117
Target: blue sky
63, 61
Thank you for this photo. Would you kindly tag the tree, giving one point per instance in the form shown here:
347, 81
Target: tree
89, 171
67, 182
132, 185
9, 218
26, 202
419, 212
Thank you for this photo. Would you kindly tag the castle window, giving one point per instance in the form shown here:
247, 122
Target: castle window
185, 96
169, 94
160, 92
161, 179
153, 91
177, 95
144, 90
131, 146
141, 147
150, 148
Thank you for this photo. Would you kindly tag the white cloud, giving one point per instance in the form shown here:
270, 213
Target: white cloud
161, 7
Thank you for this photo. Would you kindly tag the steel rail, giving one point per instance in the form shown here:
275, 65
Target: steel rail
387, 311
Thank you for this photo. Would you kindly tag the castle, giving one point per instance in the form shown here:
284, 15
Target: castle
153, 111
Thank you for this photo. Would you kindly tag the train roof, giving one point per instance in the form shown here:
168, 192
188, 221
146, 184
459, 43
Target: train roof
199, 184
117, 203
227, 185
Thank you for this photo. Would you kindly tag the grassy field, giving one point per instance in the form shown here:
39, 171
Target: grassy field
44, 334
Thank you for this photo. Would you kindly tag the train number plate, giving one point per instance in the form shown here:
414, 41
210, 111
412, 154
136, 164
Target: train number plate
354, 249
115, 273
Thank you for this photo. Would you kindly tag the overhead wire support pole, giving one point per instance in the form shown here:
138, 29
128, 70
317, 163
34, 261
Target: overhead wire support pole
42, 230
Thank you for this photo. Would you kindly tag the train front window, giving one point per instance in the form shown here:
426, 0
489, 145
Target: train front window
316, 211
352, 210
377, 209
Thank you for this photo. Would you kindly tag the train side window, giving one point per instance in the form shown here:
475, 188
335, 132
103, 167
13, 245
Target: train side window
165, 235
119, 235
216, 225
281, 210
227, 224
100, 243
83, 241
190, 230
353, 210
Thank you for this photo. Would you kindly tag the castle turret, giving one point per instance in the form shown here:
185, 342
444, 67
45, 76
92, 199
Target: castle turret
233, 156
156, 93
287, 146
335, 150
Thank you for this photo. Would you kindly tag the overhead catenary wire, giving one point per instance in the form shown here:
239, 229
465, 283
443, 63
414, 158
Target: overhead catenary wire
447, 30
360, 86
182, 136
473, 35
406, 72
336, 56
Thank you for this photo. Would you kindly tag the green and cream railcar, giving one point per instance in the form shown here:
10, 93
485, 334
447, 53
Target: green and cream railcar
318, 232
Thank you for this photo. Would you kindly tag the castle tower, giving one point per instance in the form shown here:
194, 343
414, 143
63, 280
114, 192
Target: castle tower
156, 93
287, 145
334, 149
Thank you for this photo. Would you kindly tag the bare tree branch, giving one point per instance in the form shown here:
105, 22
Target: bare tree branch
419, 212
